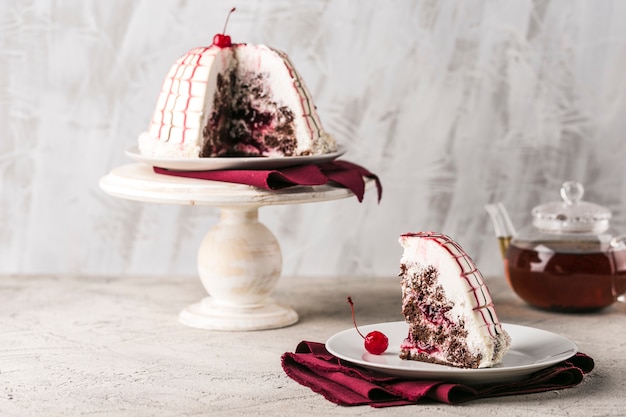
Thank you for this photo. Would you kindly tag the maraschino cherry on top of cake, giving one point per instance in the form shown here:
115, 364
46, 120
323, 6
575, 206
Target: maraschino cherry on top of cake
234, 99
451, 317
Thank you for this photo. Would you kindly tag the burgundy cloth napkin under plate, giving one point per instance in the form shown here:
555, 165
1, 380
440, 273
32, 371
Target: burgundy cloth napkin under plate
346, 384
344, 173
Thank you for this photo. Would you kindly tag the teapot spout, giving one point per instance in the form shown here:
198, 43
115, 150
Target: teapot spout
502, 225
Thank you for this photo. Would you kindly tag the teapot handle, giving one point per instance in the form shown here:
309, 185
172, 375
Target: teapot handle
618, 242
618, 284
502, 225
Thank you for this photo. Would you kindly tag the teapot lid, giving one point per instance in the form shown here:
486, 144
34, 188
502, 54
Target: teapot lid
572, 214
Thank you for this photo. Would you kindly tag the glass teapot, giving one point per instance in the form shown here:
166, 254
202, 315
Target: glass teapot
568, 259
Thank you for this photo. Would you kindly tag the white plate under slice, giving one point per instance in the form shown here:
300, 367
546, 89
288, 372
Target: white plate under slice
213, 164
531, 350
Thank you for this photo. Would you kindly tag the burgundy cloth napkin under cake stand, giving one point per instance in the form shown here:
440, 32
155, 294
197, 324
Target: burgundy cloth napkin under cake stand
346, 384
342, 173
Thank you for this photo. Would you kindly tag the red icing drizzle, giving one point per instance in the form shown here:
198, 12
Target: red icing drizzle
192, 57
304, 98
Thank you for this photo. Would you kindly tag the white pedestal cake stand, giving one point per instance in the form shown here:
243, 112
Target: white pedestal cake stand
239, 260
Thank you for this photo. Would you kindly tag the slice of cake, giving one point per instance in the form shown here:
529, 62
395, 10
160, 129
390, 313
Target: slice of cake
234, 100
447, 305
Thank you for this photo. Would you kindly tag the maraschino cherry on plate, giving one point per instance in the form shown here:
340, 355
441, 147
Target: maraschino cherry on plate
375, 342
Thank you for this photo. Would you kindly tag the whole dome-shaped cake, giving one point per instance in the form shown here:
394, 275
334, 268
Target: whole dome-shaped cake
234, 100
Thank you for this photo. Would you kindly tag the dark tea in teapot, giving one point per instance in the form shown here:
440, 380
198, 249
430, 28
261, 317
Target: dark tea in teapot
573, 281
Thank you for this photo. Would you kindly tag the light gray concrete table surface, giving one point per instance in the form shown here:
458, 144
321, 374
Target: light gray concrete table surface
107, 346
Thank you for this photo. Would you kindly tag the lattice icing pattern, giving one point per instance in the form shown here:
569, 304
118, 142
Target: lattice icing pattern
180, 106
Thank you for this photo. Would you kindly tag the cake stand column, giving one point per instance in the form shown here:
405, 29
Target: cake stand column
239, 263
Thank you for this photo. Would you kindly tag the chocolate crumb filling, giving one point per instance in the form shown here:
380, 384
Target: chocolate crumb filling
245, 121
425, 309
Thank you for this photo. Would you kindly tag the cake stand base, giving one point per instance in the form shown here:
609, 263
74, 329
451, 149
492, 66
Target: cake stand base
239, 262
211, 315
239, 259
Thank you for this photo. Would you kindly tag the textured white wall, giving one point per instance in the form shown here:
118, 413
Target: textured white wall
454, 104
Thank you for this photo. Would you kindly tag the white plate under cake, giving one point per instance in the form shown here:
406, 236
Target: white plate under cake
531, 350
216, 163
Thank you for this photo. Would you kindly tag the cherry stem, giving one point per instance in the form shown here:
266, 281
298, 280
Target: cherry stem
228, 17
353, 318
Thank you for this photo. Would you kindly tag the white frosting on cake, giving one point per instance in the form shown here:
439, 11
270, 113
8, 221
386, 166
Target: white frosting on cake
186, 100
463, 287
